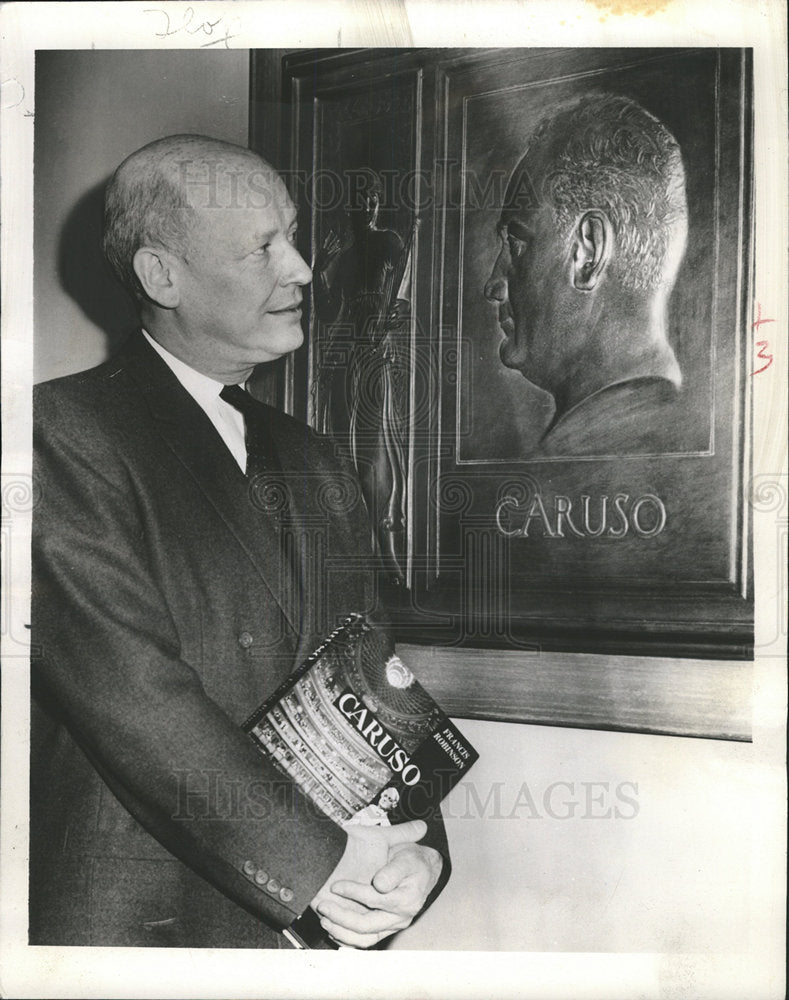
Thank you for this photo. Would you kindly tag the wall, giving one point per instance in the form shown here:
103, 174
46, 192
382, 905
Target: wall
576, 840
595, 864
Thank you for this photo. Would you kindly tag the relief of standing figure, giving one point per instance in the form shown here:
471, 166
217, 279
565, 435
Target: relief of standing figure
361, 295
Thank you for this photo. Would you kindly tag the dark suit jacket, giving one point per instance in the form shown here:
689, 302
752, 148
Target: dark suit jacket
169, 600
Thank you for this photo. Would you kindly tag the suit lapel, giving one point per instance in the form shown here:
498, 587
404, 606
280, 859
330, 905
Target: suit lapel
192, 437
332, 533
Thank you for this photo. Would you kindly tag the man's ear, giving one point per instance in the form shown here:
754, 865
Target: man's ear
594, 247
154, 269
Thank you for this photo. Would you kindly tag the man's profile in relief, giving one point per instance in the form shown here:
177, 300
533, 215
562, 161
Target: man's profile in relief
593, 231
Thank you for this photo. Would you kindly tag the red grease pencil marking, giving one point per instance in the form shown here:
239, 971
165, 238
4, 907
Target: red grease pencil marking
762, 354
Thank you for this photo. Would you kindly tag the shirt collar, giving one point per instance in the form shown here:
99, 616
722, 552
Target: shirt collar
202, 388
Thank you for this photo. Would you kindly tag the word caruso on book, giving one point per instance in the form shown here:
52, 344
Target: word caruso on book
384, 744
614, 517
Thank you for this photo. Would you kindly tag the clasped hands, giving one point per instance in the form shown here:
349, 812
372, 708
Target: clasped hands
379, 885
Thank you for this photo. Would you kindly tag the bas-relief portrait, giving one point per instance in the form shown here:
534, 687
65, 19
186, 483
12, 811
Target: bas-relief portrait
598, 342
593, 231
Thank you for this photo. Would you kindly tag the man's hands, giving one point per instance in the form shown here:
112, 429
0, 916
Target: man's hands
379, 885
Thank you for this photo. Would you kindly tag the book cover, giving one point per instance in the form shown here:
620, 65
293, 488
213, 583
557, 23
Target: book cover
358, 734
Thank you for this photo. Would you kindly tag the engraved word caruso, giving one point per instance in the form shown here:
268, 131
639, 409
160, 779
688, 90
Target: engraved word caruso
614, 516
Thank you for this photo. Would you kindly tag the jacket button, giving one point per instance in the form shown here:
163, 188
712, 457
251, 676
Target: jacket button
245, 640
273, 886
249, 868
261, 877
285, 894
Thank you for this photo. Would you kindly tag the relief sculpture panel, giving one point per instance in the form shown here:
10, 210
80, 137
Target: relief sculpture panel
528, 330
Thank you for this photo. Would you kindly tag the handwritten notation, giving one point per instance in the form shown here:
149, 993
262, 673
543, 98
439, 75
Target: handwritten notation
190, 24
762, 354
13, 93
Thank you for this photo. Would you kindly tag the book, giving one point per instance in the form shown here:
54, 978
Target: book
360, 737
358, 734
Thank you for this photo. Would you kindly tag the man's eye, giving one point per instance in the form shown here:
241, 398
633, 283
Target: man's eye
292, 236
516, 246
262, 250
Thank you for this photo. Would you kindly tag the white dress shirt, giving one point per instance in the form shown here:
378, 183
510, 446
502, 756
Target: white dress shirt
205, 391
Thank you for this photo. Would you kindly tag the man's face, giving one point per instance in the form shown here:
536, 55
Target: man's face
241, 277
389, 798
530, 281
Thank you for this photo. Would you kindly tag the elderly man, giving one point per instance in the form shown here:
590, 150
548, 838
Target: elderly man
191, 546
593, 231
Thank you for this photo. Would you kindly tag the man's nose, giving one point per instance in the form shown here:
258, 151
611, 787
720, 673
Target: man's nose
296, 270
496, 285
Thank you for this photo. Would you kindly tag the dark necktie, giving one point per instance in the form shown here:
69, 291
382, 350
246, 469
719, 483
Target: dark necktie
261, 450
268, 491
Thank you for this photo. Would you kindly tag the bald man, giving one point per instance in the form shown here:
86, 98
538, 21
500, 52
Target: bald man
191, 546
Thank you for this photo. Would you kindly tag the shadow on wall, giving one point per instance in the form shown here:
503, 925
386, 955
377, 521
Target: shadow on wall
86, 276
